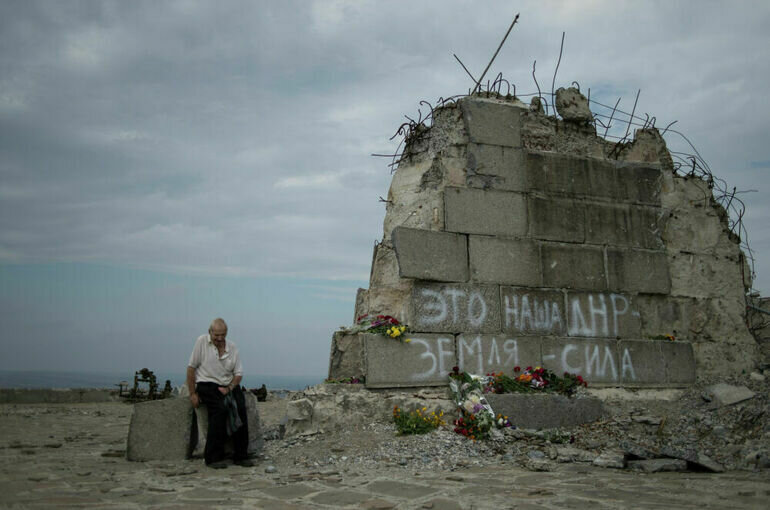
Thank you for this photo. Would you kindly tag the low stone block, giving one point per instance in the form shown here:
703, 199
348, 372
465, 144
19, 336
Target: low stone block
639, 184
557, 219
680, 362
160, 430
476, 211
595, 359
347, 356
429, 255
638, 271
256, 442
545, 411
507, 261
454, 308
573, 267
726, 394
496, 167
601, 314
424, 361
526, 311
662, 315
491, 122
482, 354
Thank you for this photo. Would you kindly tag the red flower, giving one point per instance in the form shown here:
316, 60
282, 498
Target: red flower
529, 369
516, 368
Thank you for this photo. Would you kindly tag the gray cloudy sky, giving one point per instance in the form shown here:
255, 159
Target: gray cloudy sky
165, 162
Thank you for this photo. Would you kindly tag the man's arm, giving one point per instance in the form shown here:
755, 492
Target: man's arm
194, 400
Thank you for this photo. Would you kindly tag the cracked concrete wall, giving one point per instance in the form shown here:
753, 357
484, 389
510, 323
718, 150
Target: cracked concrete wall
497, 193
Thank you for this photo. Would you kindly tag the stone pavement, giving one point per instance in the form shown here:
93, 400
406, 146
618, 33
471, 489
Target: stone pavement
72, 456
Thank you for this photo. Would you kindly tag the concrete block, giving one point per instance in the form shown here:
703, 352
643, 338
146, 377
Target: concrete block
429, 255
454, 308
548, 173
160, 430
726, 394
482, 354
595, 359
511, 261
574, 267
256, 442
680, 362
347, 356
663, 315
425, 361
641, 362
491, 123
475, 211
545, 411
638, 271
496, 167
696, 275
526, 311
604, 315
623, 225
645, 227
557, 219
639, 184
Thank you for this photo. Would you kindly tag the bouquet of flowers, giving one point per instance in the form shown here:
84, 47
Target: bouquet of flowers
380, 325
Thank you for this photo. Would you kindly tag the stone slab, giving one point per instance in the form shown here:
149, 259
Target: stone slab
424, 361
256, 442
482, 354
557, 219
526, 311
454, 308
401, 490
347, 356
624, 225
642, 361
723, 394
573, 267
545, 411
160, 430
496, 167
639, 183
491, 123
507, 261
477, 211
663, 315
638, 271
573, 176
429, 255
700, 275
679, 359
596, 359
602, 314
657, 465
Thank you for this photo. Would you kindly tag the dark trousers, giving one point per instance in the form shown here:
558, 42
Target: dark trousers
216, 436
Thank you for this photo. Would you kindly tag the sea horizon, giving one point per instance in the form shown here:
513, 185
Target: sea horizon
37, 379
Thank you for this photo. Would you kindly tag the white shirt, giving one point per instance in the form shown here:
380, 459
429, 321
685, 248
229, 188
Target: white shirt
210, 366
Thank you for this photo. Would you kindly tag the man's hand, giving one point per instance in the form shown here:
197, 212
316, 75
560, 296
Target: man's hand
195, 400
224, 390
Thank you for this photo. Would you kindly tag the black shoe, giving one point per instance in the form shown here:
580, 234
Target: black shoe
244, 463
218, 465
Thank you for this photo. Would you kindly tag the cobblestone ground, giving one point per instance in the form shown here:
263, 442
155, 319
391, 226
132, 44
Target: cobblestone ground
72, 456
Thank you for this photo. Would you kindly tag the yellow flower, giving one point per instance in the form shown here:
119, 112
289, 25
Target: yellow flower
407, 340
403, 328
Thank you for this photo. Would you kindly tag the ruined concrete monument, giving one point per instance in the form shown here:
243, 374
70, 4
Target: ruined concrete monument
516, 238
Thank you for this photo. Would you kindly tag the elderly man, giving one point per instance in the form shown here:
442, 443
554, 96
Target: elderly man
214, 376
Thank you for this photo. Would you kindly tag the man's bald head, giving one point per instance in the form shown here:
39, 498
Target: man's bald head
218, 324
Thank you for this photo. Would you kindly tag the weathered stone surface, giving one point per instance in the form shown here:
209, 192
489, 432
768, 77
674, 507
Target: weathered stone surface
491, 122
347, 356
482, 354
558, 174
663, 315
496, 167
527, 311
476, 211
570, 454
657, 465
698, 230
507, 261
572, 105
697, 275
160, 430
680, 362
424, 361
573, 267
638, 271
400, 489
602, 314
642, 361
623, 225
639, 184
532, 411
595, 359
557, 219
429, 255
723, 394
415, 199
610, 459
454, 308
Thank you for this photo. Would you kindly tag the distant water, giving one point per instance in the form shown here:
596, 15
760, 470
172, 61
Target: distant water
50, 379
